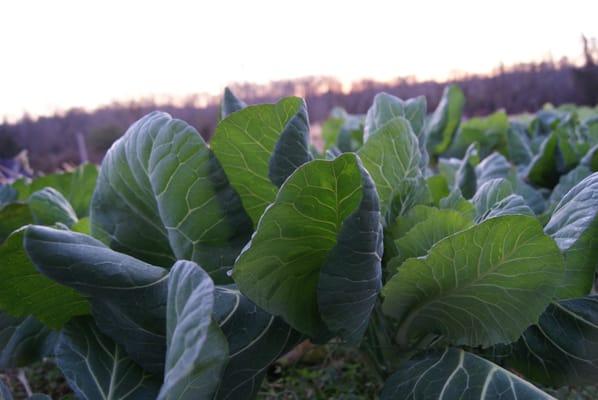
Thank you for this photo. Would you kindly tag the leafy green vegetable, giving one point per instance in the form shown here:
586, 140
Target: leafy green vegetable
456, 374
128, 296
479, 287
315, 256
252, 145
562, 348
97, 368
162, 196
574, 227
196, 347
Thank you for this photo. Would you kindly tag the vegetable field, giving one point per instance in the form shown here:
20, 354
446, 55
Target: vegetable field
456, 257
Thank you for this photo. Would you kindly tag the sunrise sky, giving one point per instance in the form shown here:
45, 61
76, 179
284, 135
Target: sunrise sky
61, 54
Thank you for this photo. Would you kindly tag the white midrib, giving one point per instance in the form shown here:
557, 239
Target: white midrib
113, 375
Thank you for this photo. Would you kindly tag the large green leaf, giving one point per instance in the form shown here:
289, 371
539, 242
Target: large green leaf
574, 227
391, 156
24, 341
76, 186
196, 347
96, 368
255, 338
456, 374
386, 107
48, 207
230, 103
162, 196
445, 120
478, 287
315, 256
259, 146
128, 296
562, 349
25, 291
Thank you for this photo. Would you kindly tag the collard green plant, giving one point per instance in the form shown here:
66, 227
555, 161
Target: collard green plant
185, 269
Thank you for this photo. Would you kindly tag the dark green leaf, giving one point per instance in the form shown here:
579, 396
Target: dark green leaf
128, 296
162, 196
465, 177
478, 287
562, 349
543, 170
314, 259
456, 374
245, 143
255, 338
489, 132
196, 347
24, 341
96, 368
574, 227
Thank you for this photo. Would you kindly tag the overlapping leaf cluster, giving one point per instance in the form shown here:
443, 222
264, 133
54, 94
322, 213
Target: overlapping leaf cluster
459, 254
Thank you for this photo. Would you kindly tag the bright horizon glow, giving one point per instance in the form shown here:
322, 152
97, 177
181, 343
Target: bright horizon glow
62, 54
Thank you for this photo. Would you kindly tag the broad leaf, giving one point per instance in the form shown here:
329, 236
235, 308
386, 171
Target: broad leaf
574, 227
386, 107
25, 291
256, 339
445, 120
128, 296
478, 287
230, 103
315, 256
259, 146
456, 374
48, 206
196, 347
96, 368
162, 196
562, 349
391, 156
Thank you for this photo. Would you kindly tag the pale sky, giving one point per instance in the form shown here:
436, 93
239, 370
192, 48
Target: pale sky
59, 54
